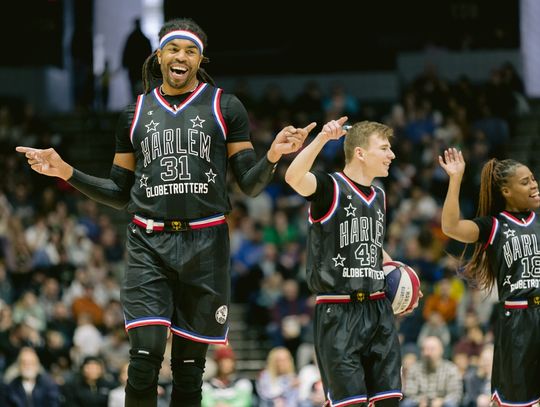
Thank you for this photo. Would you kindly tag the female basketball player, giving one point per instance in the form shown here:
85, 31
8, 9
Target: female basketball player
507, 254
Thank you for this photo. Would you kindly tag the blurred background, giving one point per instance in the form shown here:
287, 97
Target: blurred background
451, 73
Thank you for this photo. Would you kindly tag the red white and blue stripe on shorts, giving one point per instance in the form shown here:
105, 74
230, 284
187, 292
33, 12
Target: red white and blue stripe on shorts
148, 321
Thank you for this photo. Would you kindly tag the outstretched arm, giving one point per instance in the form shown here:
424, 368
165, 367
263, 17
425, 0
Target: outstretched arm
465, 231
253, 175
298, 175
112, 191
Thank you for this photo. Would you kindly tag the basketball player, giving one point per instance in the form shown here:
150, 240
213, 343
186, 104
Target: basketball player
356, 342
507, 254
172, 151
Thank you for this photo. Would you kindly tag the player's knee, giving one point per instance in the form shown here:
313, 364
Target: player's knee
187, 380
143, 371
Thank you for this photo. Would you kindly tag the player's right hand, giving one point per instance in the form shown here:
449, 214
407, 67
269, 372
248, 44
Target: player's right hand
453, 162
46, 162
333, 129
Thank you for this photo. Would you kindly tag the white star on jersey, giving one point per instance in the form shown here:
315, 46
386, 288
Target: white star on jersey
338, 260
351, 210
197, 122
211, 176
143, 180
151, 126
509, 233
380, 215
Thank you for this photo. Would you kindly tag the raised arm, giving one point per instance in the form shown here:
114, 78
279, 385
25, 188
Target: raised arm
453, 226
113, 191
298, 175
253, 175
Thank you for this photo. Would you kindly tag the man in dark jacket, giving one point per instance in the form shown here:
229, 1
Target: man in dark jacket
32, 387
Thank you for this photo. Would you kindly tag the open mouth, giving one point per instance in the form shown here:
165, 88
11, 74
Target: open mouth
178, 72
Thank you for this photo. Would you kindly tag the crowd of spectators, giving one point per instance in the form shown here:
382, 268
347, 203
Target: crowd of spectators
61, 257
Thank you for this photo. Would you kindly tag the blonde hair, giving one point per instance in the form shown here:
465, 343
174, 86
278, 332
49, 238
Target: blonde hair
359, 134
272, 365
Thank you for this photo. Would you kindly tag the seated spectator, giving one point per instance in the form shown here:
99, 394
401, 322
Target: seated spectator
226, 389
32, 386
117, 395
90, 387
442, 302
477, 381
435, 326
409, 358
290, 317
472, 343
115, 350
308, 376
27, 310
432, 381
55, 356
87, 340
277, 384
87, 304
316, 397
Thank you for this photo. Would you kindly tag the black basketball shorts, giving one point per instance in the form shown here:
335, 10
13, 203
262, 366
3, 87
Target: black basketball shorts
358, 351
515, 379
180, 280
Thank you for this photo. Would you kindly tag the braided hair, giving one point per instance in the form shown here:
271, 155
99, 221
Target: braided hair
494, 178
151, 72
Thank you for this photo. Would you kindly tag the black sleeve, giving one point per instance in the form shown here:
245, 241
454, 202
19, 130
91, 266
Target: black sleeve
236, 117
322, 198
113, 191
251, 174
485, 224
123, 143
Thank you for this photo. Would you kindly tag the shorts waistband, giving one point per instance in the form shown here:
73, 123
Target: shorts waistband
530, 302
357, 296
177, 225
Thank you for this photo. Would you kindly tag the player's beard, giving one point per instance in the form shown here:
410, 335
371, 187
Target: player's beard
179, 84
176, 85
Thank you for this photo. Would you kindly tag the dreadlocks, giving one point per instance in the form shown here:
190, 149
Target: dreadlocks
151, 72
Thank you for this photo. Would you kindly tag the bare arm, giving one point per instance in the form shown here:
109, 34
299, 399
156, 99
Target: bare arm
298, 175
463, 230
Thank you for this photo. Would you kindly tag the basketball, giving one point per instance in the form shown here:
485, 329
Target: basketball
402, 286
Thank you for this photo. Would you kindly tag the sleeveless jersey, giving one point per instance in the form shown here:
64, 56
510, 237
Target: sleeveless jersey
345, 245
181, 156
513, 250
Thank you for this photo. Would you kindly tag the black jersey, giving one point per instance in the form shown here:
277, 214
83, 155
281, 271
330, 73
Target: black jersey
181, 156
513, 250
345, 245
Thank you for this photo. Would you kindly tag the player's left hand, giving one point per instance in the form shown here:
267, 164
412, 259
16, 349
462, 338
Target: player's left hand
289, 140
404, 314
